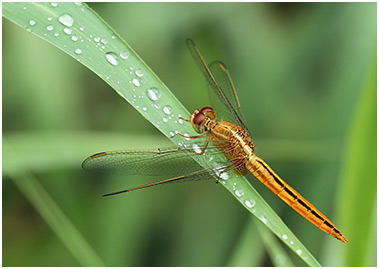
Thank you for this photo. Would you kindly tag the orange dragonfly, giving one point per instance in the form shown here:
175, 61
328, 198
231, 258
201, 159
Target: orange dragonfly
229, 136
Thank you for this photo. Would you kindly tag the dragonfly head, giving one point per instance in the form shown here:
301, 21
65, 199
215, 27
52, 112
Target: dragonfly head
198, 118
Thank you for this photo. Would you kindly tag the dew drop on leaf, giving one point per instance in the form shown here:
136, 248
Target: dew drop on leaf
124, 54
66, 20
111, 58
167, 110
153, 94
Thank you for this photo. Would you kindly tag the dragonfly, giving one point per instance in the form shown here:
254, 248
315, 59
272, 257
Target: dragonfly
230, 136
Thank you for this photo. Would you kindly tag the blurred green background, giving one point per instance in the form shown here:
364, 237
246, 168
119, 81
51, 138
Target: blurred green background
306, 78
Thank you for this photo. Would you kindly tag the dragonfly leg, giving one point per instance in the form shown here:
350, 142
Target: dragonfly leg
190, 137
184, 119
198, 153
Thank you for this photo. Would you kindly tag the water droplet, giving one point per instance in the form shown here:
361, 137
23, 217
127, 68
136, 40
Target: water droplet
264, 219
124, 54
78, 51
187, 136
157, 106
78, 4
50, 27
56, 34
165, 120
144, 108
68, 31
180, 121
66, 20
136, 82
172, 133
153, 94
291, 242
49, 19
250, 203
167, 110
74, 38
284, 236
32, 22
157, 125
196, 148
104, 41
298, 251
81, 28
24, 8
139, 72
54, 4
111, 58
113, 37
239, 193
96, 39
219, 170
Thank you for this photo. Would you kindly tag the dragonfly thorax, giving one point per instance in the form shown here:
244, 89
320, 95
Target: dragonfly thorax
198, 118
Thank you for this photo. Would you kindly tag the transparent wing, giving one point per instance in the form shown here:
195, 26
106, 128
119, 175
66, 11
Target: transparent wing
219, 172
169, 161
224, 80
233, 105
172, 161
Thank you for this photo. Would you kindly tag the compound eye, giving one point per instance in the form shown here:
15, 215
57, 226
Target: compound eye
198, 119
206, 109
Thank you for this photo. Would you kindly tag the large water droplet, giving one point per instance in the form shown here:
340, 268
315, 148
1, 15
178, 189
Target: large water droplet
196, 148
50, 27
32, 22
239, 193
139, 72
136, 82
164, 119
167, 110
111, 58
67, 31
124, 54
153, 94
74, 38
78, 51
66, 20
54, 4
284, 236
250, 203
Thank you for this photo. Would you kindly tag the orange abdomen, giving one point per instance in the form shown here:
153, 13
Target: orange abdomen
268, 177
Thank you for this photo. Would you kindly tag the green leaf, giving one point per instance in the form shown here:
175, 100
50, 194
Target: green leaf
359, 177
81, 33
52, 214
